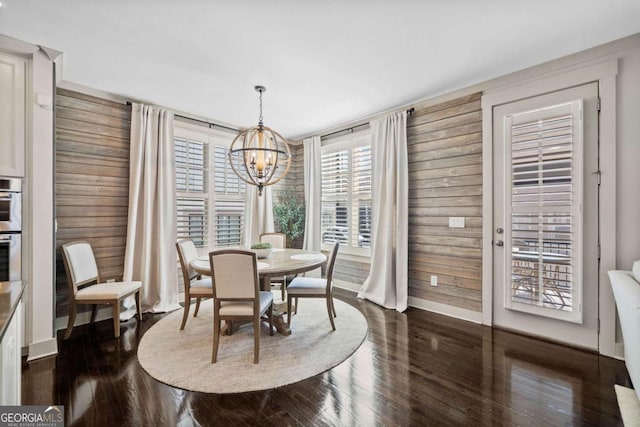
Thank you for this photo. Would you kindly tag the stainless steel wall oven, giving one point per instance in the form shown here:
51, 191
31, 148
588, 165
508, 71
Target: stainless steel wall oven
10, 229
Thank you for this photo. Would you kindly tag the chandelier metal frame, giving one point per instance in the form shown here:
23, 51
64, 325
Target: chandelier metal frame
260, 153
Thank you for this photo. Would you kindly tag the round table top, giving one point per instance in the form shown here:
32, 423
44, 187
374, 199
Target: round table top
281, 262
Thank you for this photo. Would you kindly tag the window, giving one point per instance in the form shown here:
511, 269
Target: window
210, 197
545, 154
346, 193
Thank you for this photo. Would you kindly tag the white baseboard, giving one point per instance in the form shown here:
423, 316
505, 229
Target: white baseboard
38, 350
84, 318
447, 310
348, 286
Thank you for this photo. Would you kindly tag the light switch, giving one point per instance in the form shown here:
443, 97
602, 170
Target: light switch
456, 222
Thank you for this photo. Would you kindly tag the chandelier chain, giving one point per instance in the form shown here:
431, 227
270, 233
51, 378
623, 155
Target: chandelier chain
260, 97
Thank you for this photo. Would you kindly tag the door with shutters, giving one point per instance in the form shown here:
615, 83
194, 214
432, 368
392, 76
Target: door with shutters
545, 236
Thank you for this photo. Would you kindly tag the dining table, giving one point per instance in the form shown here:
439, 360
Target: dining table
281, 262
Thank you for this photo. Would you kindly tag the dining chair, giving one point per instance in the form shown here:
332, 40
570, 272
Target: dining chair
278, 241
312, 287
81, 268
237, 295
195, 286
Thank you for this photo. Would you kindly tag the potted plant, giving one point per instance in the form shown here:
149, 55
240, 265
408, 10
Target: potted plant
289, 215
262, 249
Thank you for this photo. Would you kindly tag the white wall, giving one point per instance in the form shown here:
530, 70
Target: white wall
628, 159
38, 198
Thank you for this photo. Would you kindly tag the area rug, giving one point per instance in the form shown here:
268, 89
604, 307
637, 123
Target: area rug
629, 405
183, 358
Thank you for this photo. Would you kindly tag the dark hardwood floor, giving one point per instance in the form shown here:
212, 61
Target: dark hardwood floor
416, 368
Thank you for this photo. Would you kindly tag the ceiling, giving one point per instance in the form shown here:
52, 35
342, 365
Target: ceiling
324, 63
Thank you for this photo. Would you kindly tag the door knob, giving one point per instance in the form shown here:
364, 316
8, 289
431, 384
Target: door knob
499, 243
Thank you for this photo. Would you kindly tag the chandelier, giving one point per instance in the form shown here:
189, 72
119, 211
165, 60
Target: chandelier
257, 155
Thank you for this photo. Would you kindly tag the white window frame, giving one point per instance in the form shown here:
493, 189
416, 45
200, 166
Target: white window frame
211, 137
348, 142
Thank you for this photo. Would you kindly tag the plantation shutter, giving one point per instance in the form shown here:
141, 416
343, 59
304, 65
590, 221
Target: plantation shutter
361, 194
545, 208
346, 193
191, 159
335, 196
229, 205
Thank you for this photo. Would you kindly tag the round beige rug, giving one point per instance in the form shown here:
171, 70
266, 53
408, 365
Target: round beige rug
183, 358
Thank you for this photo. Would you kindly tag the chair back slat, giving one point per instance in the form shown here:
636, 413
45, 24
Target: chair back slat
187, 253
331, 264
234, 274
80, 263
277, 240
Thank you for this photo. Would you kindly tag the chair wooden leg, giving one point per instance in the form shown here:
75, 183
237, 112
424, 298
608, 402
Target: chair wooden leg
330, 312
271, 319
195, 313
296, 310
333, 306
72, 319
283, 288
139, 305
216, 334
185, 315
94, 313
256, 339
116, 318
289, 310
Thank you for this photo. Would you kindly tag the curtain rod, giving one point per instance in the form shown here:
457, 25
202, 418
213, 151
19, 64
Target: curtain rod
209, 124
353, 128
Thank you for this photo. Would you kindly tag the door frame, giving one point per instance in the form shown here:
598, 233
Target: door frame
604, 73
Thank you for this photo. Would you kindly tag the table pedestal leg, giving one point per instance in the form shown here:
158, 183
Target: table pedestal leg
279, 310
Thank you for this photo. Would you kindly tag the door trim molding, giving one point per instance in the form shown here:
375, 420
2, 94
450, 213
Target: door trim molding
603, 72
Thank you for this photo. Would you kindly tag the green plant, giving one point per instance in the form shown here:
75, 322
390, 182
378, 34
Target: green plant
261, 245
289, 215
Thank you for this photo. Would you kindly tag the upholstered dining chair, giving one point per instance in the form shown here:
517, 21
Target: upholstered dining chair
312, 287
80, 265
278, 241
237, 295
195, 286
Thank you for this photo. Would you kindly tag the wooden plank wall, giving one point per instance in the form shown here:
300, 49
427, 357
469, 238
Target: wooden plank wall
445, 180
92, 182
351, 270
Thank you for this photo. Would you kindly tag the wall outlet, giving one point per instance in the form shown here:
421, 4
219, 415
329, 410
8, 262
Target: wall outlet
434, 280
111, 280
456, 222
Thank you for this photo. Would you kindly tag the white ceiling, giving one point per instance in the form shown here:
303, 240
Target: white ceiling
324, 63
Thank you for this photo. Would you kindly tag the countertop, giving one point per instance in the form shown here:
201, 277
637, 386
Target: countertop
10, 294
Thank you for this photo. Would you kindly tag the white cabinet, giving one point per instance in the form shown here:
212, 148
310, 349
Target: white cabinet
12, 115
10, 363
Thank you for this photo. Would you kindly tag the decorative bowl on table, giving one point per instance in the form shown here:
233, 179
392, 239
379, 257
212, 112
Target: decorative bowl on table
262, 250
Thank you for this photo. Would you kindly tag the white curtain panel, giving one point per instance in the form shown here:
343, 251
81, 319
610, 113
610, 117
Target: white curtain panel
312, 193
387, 284
150, 255
258, 214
